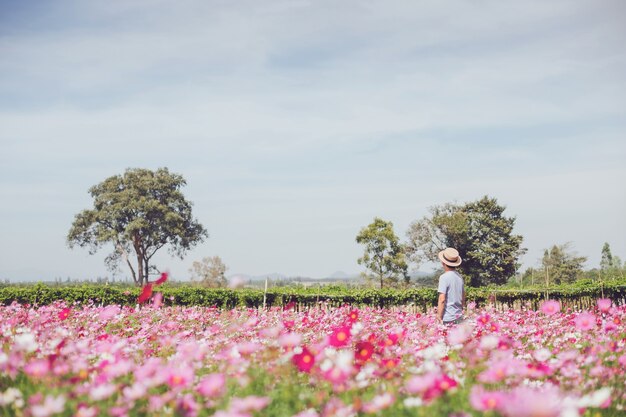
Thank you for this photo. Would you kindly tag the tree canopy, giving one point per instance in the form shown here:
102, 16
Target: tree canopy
138, 212
384, 255
609, 263
561, 265
210, 272
481, 233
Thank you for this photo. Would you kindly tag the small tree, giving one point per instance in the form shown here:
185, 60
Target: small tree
561, 265
210, 272
384, 255
138, 213
606, 262
610, 264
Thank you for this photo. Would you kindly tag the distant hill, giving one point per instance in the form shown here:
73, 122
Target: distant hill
335, 276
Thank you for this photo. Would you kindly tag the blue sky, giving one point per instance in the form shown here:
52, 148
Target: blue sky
295, 123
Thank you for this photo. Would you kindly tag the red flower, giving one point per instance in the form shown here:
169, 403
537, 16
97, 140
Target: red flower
63, 314
304, 361
353, 316
364, 351
340, 336
391, 363
161, 279
146, 293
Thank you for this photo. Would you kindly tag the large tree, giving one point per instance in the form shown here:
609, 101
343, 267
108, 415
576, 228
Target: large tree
384, 255
138, 212
481, 233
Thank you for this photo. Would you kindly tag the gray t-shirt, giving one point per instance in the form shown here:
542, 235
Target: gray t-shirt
451, 284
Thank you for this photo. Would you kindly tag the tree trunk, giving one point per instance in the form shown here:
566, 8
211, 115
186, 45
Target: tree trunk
142, 273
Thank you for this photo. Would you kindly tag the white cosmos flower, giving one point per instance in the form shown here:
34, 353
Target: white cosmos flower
26, 342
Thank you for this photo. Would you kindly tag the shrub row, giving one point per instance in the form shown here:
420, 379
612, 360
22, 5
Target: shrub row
579, 294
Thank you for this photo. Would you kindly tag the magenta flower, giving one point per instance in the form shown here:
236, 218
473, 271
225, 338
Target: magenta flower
304, 360
64, 314
340, 336
550, 307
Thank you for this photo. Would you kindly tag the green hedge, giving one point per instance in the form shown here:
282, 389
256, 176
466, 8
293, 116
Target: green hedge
580, 294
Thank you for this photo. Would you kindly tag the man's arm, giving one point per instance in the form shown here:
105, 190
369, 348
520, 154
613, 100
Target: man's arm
440, 306
463, 300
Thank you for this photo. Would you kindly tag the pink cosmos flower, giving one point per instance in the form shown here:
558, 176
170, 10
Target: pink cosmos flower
459, 334
353, 316
157, 300
496, 372
304, 361
187, 406
336, 375
483, 319
604, 305
289, 340
86, 411
118, 411
585, 321
109, 312
378, 403
37, 368
524, 402
134, 392
307, 413
102, 391
249, 403
420, 383
340, 336
483, 400
64, 314
180, 376
51, 405
212, 385
442, 384
550, 307
363, 351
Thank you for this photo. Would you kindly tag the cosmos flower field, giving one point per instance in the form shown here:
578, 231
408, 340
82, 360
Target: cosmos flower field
72, 360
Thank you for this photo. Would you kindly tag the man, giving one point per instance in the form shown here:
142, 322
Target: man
451, 289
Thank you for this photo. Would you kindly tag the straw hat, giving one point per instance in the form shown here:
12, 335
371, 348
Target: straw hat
450, 257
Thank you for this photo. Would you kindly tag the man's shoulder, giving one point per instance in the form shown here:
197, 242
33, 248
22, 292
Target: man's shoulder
448, 274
